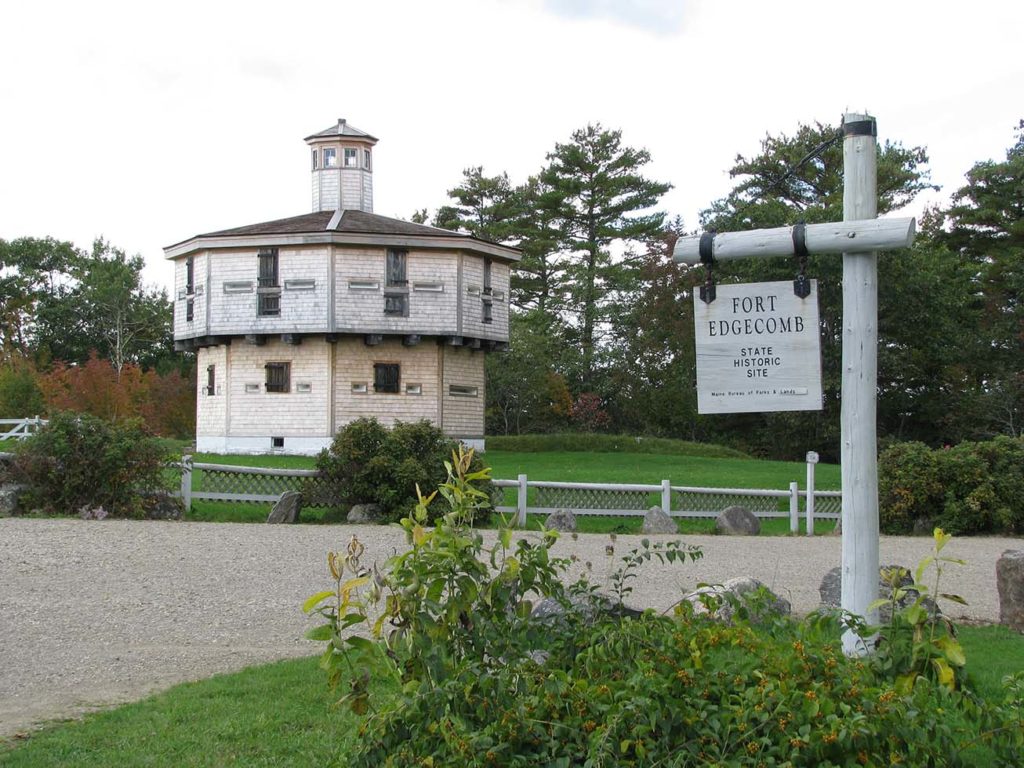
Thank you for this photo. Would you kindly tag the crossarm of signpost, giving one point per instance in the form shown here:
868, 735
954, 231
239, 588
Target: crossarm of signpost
842, 237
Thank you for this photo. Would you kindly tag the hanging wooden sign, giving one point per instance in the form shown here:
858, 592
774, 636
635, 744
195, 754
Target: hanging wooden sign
758, 349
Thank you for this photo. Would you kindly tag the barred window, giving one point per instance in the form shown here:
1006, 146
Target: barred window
278, 377
211, 380
385, 377
395, 272
190, 310
268, 264
487, 309
190, 275
269, 304
394, 304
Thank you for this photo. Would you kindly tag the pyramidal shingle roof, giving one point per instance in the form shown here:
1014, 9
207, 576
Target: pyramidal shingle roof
350, 221
341, 128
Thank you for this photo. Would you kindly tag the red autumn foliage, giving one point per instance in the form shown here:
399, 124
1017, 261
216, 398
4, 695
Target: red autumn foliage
166, 403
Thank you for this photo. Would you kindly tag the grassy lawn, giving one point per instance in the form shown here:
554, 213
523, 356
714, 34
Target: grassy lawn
282, 715
573, 466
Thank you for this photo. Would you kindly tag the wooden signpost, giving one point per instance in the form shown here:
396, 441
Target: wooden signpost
858, 238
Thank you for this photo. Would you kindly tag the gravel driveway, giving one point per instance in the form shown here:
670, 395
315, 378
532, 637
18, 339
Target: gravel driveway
96, 613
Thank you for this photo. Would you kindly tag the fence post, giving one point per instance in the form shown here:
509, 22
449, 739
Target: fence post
666, 497
521, 502
794, 507
186, 482
812, 459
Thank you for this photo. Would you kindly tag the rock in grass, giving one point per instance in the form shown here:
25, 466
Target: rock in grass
10, 499
832, 585
1010, 583
561, 520
737, 521
365, 513
736, 596
656, 521
287, 508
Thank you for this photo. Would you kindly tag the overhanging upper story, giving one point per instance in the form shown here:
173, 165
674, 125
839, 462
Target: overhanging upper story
340, 273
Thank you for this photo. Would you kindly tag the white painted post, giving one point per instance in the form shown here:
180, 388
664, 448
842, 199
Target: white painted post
666, 497
186, 482
521, 502
859, 382
812, 459
794, 507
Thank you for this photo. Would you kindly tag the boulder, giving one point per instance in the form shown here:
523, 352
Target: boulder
287, 508
656, 521
163, 506
744, 591
589, 606
364, 513
10, 499
1010, 583
832, 585
92, 513
561, 520
737, 521
923, 527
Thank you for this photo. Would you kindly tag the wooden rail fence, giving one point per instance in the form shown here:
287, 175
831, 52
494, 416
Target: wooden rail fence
19, 429
220, 482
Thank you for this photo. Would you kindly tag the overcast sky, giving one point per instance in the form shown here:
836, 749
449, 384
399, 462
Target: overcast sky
148, 123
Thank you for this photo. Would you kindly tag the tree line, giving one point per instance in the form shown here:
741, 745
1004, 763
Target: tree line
81, 331
602, 328
602, 323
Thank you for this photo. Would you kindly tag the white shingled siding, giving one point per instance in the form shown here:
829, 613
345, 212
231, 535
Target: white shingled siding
201, 295
362, 310
211, 409
368, 192
463, 415
353, 369
325, 189
294, 413
234, 308
351, 188
472, 301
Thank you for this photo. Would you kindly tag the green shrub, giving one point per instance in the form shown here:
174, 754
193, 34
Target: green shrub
592, 443
78, 460
971, 488
483, 684
369, 463
908, 486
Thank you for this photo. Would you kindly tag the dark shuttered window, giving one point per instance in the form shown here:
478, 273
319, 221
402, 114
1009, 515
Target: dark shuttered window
269, 288
278, 377
385, 377
396, 292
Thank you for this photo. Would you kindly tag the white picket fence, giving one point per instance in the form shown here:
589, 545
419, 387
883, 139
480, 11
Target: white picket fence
542, 497
19, 429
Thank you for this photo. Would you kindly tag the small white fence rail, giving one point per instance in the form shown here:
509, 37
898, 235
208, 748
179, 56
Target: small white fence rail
609, 499
220, 482
19, 429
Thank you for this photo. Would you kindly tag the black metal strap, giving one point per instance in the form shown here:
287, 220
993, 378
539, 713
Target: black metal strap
800, 242
860, 128
801, 286
706, 249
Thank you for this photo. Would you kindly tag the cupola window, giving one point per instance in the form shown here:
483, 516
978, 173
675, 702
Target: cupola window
351, 157
330, 157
